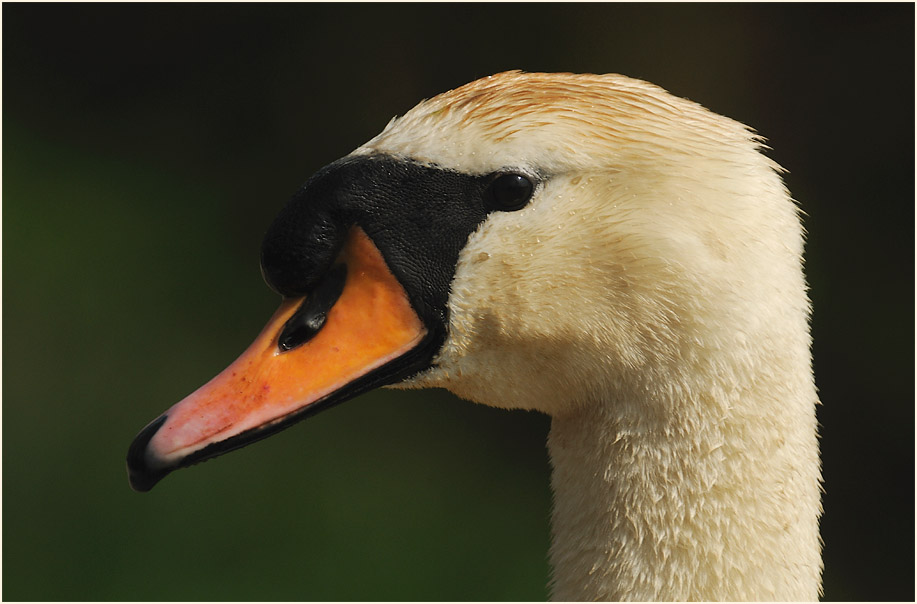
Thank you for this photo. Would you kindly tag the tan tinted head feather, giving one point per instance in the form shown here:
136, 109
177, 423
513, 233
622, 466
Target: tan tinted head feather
556, 120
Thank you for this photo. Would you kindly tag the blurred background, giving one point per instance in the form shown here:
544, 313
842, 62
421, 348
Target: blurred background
147, 147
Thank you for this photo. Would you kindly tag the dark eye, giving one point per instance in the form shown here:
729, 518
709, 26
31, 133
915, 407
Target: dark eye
509, 192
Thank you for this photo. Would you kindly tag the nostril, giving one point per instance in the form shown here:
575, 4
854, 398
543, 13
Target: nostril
309, 319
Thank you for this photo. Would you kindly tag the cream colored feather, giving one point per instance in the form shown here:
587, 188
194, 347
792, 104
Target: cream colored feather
651, 299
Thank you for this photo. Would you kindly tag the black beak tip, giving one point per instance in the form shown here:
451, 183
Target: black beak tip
140, 473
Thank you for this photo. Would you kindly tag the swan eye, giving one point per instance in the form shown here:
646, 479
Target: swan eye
509, 192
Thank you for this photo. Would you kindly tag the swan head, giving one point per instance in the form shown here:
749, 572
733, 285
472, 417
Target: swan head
654, 231
533, 241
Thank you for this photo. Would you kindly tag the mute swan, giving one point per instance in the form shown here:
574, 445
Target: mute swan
587, 246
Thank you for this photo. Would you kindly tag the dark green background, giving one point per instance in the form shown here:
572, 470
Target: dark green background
145, 150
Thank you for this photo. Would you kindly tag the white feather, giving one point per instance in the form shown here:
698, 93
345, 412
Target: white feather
651, 299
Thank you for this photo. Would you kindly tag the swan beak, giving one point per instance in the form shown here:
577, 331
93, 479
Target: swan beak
356, 331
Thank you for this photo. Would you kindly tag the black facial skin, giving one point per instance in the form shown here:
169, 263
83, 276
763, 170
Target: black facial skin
419, 217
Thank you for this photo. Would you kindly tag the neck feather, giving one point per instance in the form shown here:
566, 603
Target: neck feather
715, 499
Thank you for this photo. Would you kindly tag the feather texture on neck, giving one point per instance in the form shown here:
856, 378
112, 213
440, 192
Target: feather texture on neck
651, 299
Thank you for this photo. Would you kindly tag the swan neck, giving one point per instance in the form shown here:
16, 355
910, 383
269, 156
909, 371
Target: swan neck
701, 504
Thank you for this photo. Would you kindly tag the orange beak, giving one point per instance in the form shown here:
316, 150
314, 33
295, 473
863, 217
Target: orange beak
360, 342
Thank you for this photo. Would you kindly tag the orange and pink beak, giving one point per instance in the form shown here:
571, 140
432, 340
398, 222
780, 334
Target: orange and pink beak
355, 332
364, 255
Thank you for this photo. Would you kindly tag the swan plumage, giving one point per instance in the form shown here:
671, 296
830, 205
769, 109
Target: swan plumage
650, 297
